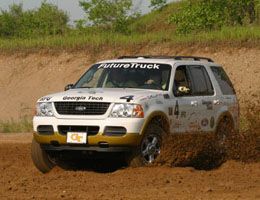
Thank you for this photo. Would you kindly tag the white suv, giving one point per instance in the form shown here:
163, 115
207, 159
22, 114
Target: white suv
126, 105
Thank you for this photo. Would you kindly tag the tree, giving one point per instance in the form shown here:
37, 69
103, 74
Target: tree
50, 20
46, 20
108, 13
157, 4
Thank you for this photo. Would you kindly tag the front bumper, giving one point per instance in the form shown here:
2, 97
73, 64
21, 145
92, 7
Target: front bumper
57, 141
85, 148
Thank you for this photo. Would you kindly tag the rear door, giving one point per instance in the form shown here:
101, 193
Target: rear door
228, 97
203, 91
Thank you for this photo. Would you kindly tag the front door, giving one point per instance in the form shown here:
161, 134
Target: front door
194, 94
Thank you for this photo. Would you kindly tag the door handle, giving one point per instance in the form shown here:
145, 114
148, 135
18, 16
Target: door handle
194, 103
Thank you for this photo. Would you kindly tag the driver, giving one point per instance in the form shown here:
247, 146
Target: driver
117, 80
154, 80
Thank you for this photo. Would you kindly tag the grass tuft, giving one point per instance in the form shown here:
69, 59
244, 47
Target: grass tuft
22, 126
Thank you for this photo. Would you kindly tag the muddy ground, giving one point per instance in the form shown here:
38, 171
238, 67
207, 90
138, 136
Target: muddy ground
19, 179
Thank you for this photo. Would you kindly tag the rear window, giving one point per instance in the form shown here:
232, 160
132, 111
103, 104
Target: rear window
223, 81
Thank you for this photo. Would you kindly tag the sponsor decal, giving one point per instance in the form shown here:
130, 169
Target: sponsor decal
176, 109
66, 98
128, 98
81, 98
176, 124
95, 98
152, 96
45, 99
204, 122
183, 114
194, 126
193, 113
212, 122
76, 138
208, 104
129, 65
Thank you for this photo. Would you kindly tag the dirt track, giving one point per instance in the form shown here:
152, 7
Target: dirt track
20, 180
26, 77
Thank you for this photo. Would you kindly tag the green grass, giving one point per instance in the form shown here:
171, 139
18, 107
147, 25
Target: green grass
22, 126
90, 40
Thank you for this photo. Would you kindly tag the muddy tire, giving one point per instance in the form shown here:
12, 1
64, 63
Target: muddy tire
40, 158
224, 132
149, 148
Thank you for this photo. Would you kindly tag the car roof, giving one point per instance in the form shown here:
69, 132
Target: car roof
162, 59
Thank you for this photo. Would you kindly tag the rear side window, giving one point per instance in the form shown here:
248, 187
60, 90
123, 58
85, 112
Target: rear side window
201, 82
223, 81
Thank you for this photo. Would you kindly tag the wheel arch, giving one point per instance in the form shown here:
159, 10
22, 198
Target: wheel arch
157, 117
222, 116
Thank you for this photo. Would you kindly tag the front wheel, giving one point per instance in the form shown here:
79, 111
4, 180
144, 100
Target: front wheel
40, 158
150, 147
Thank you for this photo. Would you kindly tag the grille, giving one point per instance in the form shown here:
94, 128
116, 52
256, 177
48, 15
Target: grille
91, 130
81, 108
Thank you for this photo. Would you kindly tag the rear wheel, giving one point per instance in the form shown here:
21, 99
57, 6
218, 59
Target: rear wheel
40, 158
149, 148
225, 129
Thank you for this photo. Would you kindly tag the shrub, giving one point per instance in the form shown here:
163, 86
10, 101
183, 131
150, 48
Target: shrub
197, 15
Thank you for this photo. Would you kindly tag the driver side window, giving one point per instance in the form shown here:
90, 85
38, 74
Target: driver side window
182, 86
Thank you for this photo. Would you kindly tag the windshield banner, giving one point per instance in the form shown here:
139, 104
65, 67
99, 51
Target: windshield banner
129, 65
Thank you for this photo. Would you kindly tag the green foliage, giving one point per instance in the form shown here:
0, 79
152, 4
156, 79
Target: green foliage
113, 14
46, 20
11, 126
198, 15
94, 40
158, 4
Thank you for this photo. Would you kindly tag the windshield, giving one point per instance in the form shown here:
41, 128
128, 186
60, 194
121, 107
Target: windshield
126, 75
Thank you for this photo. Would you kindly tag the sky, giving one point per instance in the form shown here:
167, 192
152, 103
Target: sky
71, 6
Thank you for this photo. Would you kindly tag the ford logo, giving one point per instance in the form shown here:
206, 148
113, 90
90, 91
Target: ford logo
80, 108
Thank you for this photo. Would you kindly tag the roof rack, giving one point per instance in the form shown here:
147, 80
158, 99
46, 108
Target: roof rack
169, 57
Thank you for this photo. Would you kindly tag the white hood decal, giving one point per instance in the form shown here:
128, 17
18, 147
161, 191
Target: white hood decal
104, 95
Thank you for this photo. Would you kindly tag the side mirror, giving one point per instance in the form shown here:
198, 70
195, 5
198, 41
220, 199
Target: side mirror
182, 90
68, 87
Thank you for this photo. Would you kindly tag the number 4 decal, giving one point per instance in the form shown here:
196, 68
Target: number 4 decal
176, 109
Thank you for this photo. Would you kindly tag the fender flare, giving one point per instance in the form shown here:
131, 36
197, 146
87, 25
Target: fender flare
223, 115
154, 115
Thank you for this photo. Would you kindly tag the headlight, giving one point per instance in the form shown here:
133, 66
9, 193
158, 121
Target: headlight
127, 110
44, 109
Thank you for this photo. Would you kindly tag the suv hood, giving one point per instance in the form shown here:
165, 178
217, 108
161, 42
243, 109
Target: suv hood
117, 95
